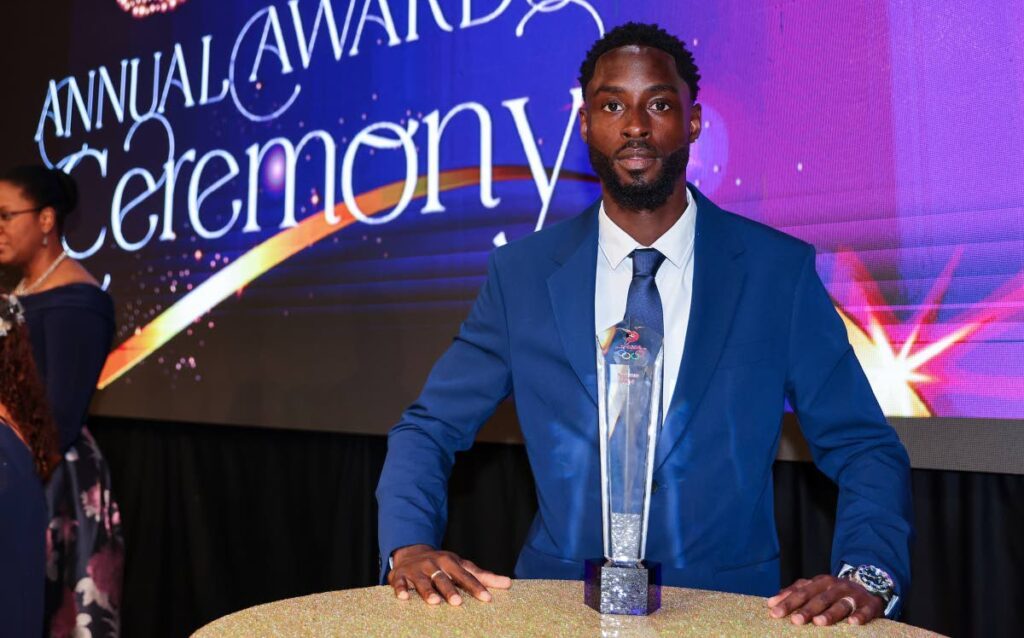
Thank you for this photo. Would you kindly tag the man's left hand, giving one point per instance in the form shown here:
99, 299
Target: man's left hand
826, 600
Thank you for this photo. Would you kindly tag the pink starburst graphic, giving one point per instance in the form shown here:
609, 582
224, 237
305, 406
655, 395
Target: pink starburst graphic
923, 367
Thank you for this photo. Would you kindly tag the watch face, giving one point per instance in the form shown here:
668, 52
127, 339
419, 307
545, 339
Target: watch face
874, 579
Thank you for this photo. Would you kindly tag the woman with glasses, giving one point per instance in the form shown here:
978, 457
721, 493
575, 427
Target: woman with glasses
70, 322
28, 455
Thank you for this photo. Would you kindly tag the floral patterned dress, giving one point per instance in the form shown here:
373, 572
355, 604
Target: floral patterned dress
72, 328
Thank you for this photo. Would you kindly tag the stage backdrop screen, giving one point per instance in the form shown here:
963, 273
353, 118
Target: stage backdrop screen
293, 202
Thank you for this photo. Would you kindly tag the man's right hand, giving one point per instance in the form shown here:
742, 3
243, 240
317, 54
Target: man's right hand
437, 575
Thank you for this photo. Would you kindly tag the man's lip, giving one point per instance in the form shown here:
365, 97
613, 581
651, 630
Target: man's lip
636, 162
630, 153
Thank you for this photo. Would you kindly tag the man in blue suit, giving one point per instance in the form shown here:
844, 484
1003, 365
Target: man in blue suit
747, 326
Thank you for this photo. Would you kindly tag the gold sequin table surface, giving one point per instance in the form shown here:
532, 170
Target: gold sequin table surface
530, 608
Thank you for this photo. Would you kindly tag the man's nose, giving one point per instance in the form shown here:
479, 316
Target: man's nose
637, 124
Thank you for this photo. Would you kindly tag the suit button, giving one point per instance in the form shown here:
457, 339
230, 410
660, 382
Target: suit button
654, 487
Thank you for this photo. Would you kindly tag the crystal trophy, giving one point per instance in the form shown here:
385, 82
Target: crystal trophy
629, 377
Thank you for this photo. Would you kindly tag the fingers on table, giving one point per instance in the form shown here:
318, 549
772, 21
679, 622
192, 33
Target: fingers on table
796, 596
839, 601
400, 586
835, 613
467, 580
440, 577
867, 610
424, 585
856, 607
825, 608
443, 583
783, 594
486, 578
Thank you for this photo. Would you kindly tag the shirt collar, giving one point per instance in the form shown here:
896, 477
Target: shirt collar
675, 243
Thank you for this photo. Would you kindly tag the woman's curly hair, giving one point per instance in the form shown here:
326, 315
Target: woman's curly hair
21, 391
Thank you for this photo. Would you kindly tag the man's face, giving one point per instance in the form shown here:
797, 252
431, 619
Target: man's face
639, 122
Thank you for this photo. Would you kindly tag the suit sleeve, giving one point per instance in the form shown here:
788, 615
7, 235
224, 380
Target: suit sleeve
464, 388
849, 437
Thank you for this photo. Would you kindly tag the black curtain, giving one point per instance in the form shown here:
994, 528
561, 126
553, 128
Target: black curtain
218, 519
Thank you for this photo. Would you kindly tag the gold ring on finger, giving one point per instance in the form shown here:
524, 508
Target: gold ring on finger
441, 571
851, 602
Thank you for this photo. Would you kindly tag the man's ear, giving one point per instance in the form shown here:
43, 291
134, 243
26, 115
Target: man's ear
696, 122
584, 124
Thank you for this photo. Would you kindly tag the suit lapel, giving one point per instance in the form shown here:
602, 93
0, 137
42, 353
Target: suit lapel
572, 288
717, 283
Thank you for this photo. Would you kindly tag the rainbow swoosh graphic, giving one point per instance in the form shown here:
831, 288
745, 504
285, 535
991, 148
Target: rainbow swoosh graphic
272, 252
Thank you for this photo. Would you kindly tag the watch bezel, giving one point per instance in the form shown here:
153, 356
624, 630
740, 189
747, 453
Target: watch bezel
875, 580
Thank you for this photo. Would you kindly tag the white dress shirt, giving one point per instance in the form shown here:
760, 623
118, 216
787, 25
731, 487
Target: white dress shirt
674, 281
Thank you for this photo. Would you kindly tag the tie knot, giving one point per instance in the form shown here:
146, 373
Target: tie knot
646, 262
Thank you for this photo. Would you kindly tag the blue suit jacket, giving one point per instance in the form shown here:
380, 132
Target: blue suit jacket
762, 329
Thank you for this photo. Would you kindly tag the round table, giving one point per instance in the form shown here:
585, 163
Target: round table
530, 608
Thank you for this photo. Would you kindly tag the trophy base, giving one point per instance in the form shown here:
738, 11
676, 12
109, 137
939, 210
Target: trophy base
611, 588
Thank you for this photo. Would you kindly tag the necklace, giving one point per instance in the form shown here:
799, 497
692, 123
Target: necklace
24, 289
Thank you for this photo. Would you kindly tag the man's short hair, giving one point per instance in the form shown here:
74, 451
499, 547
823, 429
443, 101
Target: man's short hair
648, 35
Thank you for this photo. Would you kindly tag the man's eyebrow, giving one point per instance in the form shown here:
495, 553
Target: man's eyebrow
661, 88
654, 88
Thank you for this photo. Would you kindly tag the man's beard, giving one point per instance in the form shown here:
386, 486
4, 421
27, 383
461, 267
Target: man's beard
641, 194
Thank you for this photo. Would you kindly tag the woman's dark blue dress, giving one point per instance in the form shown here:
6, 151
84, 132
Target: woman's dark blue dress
22, 541
72, 328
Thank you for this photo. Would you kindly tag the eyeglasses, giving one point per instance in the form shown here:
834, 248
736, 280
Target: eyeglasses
7, 215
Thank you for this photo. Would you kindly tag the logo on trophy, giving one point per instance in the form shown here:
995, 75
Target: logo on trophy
629, 377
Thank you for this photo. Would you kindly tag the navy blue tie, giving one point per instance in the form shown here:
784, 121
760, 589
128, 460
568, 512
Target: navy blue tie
643, 303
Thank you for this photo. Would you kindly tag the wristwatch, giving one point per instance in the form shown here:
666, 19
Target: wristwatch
875, 580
